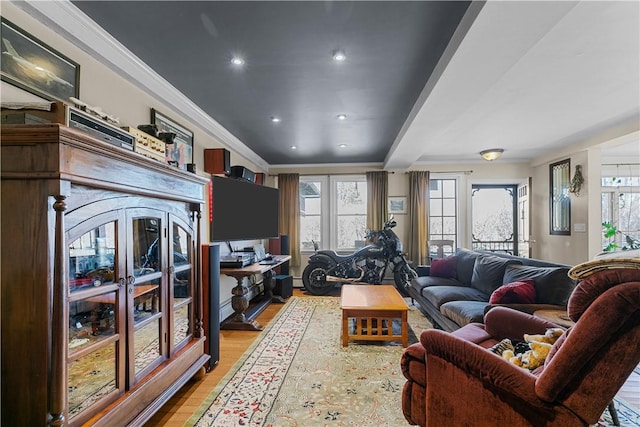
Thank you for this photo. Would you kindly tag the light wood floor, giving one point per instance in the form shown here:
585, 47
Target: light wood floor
234, 343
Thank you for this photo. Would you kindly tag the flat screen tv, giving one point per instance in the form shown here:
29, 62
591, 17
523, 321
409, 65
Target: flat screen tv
242, 210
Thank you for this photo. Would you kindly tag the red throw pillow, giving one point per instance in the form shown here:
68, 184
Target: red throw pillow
443, 267
521, 292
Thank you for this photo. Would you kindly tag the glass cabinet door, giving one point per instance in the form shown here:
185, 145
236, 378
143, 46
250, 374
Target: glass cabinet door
145, 310
94, 338
182, 284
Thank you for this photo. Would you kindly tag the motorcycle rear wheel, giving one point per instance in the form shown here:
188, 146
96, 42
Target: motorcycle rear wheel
402, 278
314, 279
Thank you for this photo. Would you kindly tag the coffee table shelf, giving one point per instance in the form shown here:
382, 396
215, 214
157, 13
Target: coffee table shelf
372, 309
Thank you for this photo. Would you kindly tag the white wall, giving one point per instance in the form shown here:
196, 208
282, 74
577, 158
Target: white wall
571, 249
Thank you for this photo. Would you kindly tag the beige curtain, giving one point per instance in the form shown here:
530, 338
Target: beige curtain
377, 193
418, 217
289, 186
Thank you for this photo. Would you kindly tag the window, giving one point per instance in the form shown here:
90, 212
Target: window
333, 212
443, 213
310, 214
620, 207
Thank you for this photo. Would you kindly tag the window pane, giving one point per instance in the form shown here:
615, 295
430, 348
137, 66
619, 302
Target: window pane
310, 197
91, 258
351, 197
181, 245
147, 253
435, 228
350, 229
435, 207
449, 225
435, 188
442, 210
309, 231
449, 207
449, 188
90, 378
310, 214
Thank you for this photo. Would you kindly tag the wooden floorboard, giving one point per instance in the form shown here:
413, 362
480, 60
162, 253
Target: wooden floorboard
233, 344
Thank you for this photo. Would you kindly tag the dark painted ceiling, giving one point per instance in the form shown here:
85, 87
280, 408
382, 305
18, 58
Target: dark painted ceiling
391, 47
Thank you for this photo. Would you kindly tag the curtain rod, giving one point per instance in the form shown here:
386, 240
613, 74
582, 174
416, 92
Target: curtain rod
620, 164
463, 172
327, 174
467, 172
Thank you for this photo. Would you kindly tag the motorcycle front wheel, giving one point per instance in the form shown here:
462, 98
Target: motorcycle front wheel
402, 278
314, 278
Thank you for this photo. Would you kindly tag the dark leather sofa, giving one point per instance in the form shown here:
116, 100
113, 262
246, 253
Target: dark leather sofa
463, 297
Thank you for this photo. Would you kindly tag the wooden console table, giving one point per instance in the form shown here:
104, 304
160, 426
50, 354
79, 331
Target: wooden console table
245, 311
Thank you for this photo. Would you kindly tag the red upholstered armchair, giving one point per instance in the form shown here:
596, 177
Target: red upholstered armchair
454, 380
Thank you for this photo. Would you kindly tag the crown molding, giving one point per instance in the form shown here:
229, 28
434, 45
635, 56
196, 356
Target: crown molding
72, 24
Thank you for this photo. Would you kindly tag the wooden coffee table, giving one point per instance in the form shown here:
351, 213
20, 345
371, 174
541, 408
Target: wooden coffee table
373, 307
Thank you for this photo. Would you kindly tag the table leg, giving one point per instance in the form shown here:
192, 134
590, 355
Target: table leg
405, 329
240, 304
269, 282
345, 329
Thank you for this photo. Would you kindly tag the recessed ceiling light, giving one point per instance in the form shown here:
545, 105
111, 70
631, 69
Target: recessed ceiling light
293, 147
341, 117
342, 145
237, 61
275, 119
339, 55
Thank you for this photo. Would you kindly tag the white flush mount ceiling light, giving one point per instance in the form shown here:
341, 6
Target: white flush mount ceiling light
237, 61
293, 147
492, 154
341, 117
342, 146
275, 119
339, 55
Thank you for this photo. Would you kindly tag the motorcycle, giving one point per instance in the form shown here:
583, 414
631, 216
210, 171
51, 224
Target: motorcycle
366, 265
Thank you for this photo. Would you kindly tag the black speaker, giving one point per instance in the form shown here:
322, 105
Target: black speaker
284, 250
284, 285
211, 301
240, 172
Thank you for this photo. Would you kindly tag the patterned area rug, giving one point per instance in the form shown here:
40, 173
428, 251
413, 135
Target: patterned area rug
627, 416
298, 374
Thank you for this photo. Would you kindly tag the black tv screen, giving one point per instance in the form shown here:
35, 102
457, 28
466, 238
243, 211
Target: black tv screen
242, 210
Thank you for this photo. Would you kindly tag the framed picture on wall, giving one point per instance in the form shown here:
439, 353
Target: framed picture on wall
559, 198
30, 64
180, 153
397, 205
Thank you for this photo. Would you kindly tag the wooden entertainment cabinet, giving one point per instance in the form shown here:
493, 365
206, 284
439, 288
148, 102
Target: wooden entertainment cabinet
101, 287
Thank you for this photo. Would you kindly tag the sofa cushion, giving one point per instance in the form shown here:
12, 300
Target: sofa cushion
443, 267
520, 292
464, 312
553, 285
438, 295
465, 260
419, 283
488, 272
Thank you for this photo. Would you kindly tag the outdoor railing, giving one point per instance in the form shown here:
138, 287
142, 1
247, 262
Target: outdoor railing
501, 246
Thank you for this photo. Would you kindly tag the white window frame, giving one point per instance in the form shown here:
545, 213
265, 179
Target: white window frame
328, 207
459, 212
